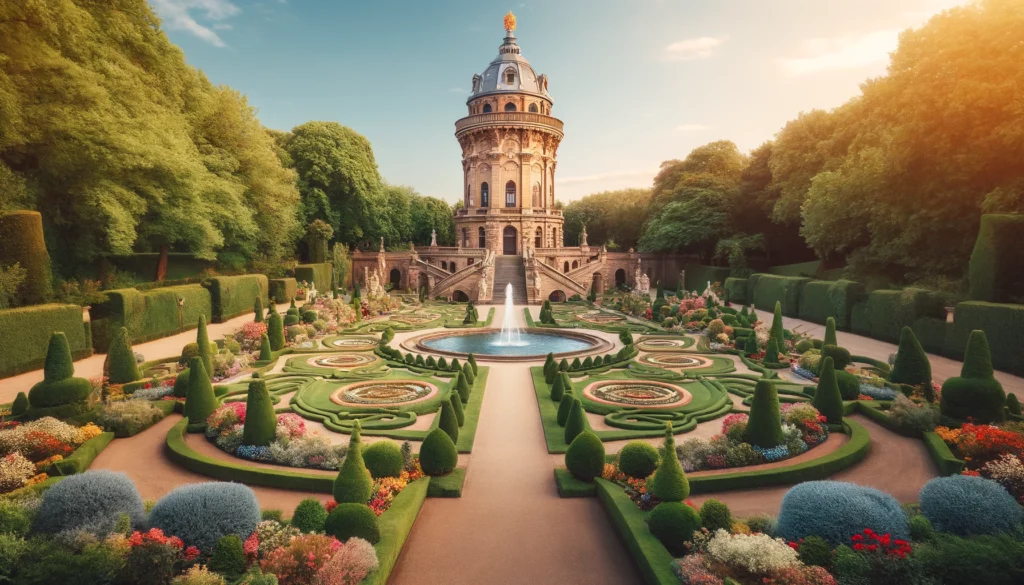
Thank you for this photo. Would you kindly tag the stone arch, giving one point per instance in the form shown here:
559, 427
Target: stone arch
510, 193
598, 281
510, 241
533, 108
536, 194
565, 268
510, 107
444, 265
395, 278
482, 237
539, 238
575, 264
460, 296
557, 296
487, 108
452, 266
620, 277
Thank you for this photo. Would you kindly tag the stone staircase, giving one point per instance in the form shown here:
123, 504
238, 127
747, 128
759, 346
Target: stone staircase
509, 269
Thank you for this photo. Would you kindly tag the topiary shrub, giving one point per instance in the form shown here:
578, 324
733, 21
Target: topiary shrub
472, 361
20, 404
260, 419
669, 483
448, 421
585, 456
840, 355
814, 551
830, 333
351, 520
92, 502
460, 413
383, 459
257, 310
563, 366
673, 523
228, 557
975, 394
638, 459
576, 422
203, 341
266, 352
1012, 404
777, 332
438, 455
982, 560
835, 511
849, 385
827, 398
275, 332
715, 515
290, 320
564, 408
181, 384
921, 529
804, 346
468, 373
966, 505
462, 385
353, 483
201, 513
200, 401
309, 515
310, 316
750, 346
911, 366
557, 388
120, 364
764, 427
442, 364
771, 352
59, 386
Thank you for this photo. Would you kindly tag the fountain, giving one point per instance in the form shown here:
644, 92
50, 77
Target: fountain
509, 330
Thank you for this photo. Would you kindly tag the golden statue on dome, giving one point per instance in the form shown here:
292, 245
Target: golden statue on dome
510, 21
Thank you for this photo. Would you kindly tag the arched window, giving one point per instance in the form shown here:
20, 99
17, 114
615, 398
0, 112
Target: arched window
487, 108
510, 194
510, 107
482, 238
444, 265
510, 76
575, 264
469, 195
485, 199
539, 239
465, 238
451, 266
536, 195
533, 108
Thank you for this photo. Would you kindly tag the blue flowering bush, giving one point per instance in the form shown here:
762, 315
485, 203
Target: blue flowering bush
878, 393
200, 514
966, 505
92, 502
836, 511
254, 453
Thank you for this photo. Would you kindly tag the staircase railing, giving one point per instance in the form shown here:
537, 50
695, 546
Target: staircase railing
449, 281
559, 277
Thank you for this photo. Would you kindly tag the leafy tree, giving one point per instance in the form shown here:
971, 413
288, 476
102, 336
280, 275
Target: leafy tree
613, 218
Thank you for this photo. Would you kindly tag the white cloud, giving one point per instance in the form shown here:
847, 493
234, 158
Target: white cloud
692, 127
690, 49
844, 52
177, 15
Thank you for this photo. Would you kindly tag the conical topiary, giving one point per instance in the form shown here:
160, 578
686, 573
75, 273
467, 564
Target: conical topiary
438, 455
764, 427
563, 366
564, 407
557, 388
460, 413
20, 405
827, 398
420, 362
576, 365
203, 340
576, 422
353, 483
58, 365
751, 344
455, 366
1012, 404
585, 456
549, 360
181, 384
550, 373
566, 383
200, 401
975, 394
911, 366
266, 353
442, 364
771, 352
121, 365
472, 361
431, 362
449, 423
462, 385
669, 483
468, 373
257, 309
777, 331
830, 332
260, 419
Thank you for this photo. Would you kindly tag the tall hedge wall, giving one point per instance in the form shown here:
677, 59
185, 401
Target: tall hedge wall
997, 263
1003, 325
822, 299
21, 241
25, 335
231, 296
151, 314
283, 290
736, 290
785, 289
318, 274
886, 312
698, 277
180, 265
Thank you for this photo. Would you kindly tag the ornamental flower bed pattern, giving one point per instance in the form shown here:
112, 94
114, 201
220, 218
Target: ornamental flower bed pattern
990, 452
28, 449
294, 445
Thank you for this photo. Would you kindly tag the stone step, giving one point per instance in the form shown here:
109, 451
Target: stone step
509, 269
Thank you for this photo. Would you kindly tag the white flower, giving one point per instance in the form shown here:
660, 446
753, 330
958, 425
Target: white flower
759, 554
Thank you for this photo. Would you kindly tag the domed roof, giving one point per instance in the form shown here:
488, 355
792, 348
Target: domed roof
509, 72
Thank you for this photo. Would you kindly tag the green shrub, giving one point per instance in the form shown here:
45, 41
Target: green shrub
585, 456
121, 366
778, 333
921, 529
975, 394
20, 404
830, 333
383, 459
563, 366
557, 388
827, 397
25, 335
715, 515
991, 560
804, 346
673, 523
266, 353
310, 515
785, 291
564, 408
849, 385
431, 362
1012, 403
816, 552
698, 276
309, 316
449, 423
150, 314
206, 351
822, 299
764, 427
351, 520
442, 364
1002, 324
353, 483
200, 401
576, 422
638, 459
912, 366
127, 418
59, 386
319, 274
750, 346
840, 355
735, 290
437, 454
669, 483
472, 361
257, 309
290, 320
997, 262
231, 296
23, 244
462, 385
260, 419
576, 365
771, 352
460, 413
228, 557
468, 374
92, 502
275, 332
886, 312
15, 519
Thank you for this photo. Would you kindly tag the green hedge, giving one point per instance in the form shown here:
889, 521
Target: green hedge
318, 274
770, 289
149, 315
808, 269
886, 312
283, 290
822, 299
736, 290
180, 265
1003, 325
447, 486
698, 277
997, 263
395, 524
944, 459
231, 296
932, 334
22, 242
83, 456
651, 557
25, 335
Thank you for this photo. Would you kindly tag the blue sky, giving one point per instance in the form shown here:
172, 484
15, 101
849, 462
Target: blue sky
636, 82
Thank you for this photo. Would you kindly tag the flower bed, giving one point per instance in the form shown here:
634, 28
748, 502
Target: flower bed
27, 450
991, 452
293, 446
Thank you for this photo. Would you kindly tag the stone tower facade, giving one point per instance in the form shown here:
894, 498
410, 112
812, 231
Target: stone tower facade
509, 144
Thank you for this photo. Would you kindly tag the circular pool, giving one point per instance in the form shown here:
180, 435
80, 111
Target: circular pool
488, 344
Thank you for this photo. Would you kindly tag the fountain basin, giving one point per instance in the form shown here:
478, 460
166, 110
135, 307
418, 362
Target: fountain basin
485, 344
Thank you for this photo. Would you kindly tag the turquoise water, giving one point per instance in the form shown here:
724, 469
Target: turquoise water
487, 344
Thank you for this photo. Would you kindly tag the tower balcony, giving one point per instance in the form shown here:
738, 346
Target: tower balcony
529, 120
506, 211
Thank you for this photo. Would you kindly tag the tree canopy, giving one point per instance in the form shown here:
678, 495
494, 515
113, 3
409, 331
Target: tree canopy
614, 218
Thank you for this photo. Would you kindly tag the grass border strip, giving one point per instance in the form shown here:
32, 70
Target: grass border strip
650, 556
395, 525
447, 486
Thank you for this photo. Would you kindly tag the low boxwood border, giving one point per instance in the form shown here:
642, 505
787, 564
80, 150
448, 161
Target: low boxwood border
650, 555
395, 525
83, 456
945, 460
570, 487
448, 486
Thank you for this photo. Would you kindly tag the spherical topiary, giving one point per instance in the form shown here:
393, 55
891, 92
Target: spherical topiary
449, 423
849, 385
911, 366
462, 385
189, 351
715, 515
275, 332
764, 427
585, 456
557, 388
673, 523
383, 459
352, 520
921, 529
974, 394
827, 398
840, 355
564, 407
835, 511
260, 419
438, 455
228, 557
92, 501
814, 551
309, 316
200, 401
669, 483
201, 513
576, 422
59, 386
638, 459
460, 413
290, 320
353, 483
966, 505
309, 515
120, 363
20, 404
804, 346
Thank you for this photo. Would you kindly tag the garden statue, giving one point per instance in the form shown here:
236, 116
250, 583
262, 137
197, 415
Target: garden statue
583, 236
433, 238
311, 294
710, 296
